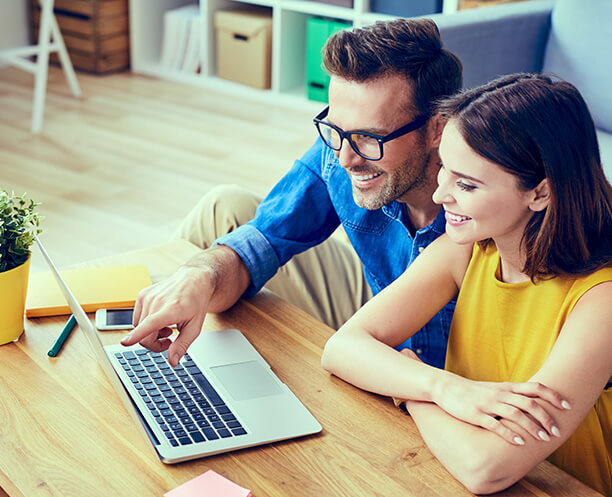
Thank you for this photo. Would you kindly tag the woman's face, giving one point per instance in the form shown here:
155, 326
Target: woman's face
480, 198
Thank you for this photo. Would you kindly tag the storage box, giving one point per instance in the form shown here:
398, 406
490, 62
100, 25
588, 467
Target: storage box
406, 8
244, 47
95, 33
473, 4
318, 30
339, 3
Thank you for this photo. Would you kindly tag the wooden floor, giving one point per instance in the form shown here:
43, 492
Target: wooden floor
118, 169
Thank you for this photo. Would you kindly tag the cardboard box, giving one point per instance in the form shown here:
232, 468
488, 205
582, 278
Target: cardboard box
339, 3
244, 47
318, 30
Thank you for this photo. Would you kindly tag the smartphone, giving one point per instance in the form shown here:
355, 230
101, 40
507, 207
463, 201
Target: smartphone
114, 319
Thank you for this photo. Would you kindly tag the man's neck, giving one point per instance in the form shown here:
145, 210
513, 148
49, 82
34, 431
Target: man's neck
421, 214
420, 207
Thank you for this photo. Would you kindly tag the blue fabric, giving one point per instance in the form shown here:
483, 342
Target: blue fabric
305, 208
579, 51
498, 40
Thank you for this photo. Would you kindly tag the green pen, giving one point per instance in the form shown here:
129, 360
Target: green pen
61, 339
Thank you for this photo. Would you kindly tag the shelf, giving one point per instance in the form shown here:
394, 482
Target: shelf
288, 43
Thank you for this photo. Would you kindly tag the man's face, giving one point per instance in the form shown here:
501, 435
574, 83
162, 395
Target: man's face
379, 107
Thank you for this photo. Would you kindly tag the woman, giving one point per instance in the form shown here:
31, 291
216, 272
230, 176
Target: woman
528, 250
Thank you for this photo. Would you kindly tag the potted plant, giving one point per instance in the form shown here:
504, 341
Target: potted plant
19, 223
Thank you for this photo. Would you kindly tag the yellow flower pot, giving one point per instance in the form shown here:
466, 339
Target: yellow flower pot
13, 289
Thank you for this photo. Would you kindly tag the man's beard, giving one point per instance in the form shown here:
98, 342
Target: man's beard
409, 177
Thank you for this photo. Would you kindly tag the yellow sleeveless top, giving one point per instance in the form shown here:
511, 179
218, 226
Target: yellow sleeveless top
504, 332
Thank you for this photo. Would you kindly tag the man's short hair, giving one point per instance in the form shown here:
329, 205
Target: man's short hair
408, 47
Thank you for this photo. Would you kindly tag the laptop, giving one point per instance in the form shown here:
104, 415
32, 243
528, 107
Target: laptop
222, 396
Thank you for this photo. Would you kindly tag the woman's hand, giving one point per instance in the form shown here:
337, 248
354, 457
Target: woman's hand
486, 404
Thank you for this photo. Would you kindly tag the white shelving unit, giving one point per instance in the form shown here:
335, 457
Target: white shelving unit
288, 42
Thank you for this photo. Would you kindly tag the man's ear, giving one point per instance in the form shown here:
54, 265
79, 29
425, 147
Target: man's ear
540, 196
436, 126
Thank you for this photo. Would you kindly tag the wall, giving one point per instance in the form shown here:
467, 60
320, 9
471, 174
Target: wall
13, 23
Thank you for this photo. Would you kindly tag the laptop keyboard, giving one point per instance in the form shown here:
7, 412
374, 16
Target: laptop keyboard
183, 402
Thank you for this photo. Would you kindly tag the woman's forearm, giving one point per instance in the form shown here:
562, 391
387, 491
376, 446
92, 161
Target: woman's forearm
479, 459
360, 359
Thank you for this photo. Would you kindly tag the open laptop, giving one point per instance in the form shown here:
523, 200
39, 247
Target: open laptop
221, 397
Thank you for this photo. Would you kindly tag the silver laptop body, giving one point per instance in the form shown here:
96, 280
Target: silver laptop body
221, 397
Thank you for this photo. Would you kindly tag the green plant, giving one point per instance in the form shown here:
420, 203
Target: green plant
19, 223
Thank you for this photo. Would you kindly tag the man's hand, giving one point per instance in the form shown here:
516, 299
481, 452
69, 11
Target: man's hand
212, 282
181, 300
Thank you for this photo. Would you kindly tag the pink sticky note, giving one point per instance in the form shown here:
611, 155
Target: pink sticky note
209, 484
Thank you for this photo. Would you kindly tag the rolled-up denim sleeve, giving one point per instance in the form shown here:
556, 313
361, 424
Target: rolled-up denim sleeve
296, 215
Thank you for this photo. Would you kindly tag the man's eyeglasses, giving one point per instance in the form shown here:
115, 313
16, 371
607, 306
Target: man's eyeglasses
366, 145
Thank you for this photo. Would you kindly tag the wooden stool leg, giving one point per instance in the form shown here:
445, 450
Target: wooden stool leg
42, 65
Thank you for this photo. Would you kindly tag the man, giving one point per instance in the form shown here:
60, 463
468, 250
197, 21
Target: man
373, 170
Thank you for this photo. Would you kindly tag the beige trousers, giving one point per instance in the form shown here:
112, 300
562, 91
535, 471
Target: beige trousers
326, 281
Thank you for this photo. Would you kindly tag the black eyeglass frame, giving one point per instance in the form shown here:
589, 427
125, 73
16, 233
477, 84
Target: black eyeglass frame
413, 125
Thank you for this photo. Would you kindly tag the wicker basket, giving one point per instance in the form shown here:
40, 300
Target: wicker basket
95, 32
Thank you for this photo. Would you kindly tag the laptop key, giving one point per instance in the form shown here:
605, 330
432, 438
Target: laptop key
175, 426
191, 427
202, 423
173, 442
234, 424
185, 441
224, 433
218, 425
223, 410
228, 417
213, 418
239, 431
210, 434
129, 355
208, 389
197, 436
198, 416
180, 433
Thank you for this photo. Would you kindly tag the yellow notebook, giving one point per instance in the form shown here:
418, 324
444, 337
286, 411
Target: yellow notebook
94, 288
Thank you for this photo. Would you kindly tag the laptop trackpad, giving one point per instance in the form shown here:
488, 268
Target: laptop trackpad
247, 380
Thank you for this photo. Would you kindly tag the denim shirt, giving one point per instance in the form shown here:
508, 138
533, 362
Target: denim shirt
305, 208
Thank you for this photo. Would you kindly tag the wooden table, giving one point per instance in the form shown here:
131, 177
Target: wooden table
64, 432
